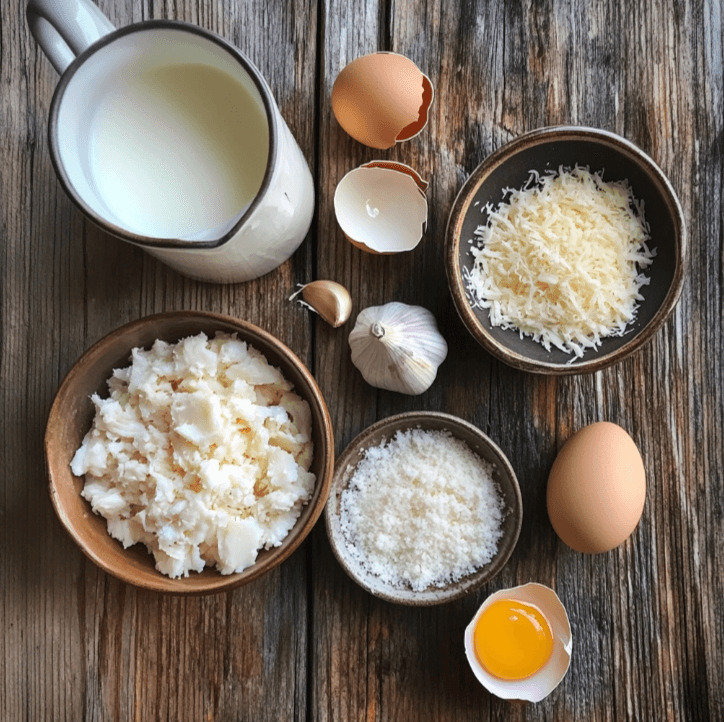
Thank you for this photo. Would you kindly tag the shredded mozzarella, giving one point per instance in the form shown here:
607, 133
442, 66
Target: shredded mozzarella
560, 259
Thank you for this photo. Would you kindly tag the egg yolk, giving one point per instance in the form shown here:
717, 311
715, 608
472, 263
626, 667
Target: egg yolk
513, 640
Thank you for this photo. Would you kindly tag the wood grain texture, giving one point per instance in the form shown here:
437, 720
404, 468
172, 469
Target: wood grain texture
645, 628
305, 643
78, 644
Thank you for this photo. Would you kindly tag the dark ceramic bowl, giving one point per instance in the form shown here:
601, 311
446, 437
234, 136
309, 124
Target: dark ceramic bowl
71, 416
547, 149
503, 475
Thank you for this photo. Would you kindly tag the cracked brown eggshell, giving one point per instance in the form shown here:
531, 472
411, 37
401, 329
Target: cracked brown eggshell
382, 98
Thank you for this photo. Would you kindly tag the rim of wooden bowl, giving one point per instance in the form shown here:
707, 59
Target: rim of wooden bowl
70, 418
453, 240
483, 446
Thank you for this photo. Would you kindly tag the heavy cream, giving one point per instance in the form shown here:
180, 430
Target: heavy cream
176, 150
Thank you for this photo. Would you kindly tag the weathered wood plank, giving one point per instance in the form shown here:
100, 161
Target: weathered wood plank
646, 629
306, 642
77, 643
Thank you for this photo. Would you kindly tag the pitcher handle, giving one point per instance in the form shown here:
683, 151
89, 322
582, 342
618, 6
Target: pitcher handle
65, 28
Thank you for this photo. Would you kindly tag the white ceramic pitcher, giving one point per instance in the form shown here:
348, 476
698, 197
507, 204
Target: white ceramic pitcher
167, 136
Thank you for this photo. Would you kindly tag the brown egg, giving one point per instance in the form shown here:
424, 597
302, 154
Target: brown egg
382, 98
596, 488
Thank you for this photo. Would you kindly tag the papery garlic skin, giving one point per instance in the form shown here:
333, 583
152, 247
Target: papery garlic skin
397, 347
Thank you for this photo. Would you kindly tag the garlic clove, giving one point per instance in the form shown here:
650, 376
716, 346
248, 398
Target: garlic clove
397, 347
329, 299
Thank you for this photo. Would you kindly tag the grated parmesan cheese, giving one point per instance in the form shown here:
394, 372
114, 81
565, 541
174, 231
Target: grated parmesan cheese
560, 260
421, 510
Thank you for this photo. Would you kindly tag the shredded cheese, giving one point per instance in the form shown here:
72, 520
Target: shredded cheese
560, 260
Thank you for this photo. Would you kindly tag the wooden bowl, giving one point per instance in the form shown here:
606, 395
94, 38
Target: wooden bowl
547, 149
503, 475
72, 413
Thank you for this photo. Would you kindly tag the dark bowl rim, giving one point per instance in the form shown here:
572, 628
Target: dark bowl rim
231, 581
415, 419
462, 203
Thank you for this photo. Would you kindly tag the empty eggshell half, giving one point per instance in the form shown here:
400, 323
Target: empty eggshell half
540, 684
382, 98
381, 207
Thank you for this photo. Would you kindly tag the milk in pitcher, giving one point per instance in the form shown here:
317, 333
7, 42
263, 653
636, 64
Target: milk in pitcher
176, 150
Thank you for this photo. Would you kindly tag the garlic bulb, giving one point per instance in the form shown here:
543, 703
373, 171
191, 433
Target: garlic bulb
397, 347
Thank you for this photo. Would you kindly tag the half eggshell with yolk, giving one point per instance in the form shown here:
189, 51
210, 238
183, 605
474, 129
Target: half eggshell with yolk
541, 683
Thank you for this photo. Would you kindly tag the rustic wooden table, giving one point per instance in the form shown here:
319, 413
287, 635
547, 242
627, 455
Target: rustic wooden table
306, 643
